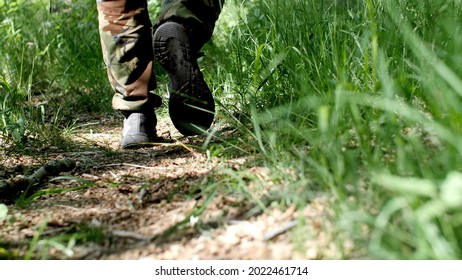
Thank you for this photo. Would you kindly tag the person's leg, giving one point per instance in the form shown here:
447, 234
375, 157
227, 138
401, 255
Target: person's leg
126, 35
198, 16
181, 30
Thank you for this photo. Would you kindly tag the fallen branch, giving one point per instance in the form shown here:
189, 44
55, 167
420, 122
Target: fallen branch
276, 232
130, 234
11, 189
129, 165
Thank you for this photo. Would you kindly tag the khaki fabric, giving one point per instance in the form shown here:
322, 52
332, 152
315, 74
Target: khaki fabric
126, 42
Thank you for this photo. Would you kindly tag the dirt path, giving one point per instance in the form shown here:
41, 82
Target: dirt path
153, 203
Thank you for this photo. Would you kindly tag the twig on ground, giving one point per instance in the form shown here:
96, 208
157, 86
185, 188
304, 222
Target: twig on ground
176, 144
276, 232
83, 153
186, 147
11, 189
128, 164
130, 234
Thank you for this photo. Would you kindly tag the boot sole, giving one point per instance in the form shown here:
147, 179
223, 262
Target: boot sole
191, 103
135, 142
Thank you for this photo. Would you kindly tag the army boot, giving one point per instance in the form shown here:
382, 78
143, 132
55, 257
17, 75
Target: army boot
191, 104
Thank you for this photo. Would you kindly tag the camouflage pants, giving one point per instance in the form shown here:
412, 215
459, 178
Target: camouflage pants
126, 41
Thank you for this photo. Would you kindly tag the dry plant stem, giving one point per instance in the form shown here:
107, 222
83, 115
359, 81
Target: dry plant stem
276, 232
11, 189
128, 164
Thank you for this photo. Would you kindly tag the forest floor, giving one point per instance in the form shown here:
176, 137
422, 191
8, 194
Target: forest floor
152, 203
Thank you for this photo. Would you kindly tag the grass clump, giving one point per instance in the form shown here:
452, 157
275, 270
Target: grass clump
51, 68
363, 98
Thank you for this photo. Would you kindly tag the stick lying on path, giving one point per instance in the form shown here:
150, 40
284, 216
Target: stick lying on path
11, 189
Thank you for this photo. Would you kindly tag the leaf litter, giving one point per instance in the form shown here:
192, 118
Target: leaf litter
162, 202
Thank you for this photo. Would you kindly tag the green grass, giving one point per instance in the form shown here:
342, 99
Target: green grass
355, 96
359, 100
51, 68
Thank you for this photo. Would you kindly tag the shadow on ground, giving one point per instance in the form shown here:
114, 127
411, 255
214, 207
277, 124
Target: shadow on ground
114, 201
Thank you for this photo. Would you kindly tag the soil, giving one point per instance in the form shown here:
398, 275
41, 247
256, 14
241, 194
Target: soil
168, 201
